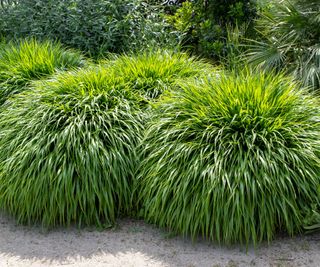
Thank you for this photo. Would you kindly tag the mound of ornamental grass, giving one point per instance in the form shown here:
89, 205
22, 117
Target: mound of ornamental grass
68, 150
234, 159
152, 73
27, 60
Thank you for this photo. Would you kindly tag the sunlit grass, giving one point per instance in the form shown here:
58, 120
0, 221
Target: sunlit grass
68, 149
152, 73
234, 159
24, 61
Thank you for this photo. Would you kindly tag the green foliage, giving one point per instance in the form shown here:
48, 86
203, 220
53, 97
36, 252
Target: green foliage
234, 158
203, 24
68, 150
234, 57
290, 40
312, 218
24, 61
151, 73
147, 29
95, 27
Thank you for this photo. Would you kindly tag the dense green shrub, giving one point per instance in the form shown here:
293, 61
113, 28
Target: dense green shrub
149, 30
95, 27
234, 159
24, 61
68, 150
290, 40
204, 24
151, 73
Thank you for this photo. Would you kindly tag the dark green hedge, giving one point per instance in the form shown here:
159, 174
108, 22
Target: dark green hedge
95, 27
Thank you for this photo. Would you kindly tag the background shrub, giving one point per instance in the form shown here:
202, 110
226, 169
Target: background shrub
204, 24
151, 73
95, 27
147, 29
24, 61
290, 40
234, 159
68, 150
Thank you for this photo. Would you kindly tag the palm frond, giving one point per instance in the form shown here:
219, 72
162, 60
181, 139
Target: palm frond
289, 31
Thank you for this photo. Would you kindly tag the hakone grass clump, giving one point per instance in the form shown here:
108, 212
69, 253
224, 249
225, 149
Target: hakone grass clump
234, 159
153, 72
27, 60
68, 150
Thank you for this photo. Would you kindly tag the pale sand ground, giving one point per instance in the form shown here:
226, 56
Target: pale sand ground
134, 243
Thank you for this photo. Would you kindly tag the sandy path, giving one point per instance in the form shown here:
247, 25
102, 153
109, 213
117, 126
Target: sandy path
134, 243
